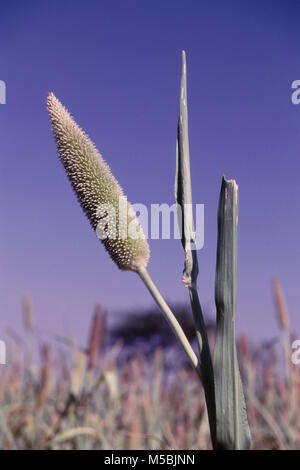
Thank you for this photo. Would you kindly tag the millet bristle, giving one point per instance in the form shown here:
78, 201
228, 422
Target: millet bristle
94, 185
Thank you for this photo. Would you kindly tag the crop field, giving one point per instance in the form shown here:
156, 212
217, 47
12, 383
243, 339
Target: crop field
110, 396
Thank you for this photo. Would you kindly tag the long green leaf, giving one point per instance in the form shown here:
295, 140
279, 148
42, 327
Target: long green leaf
232, 424
183, 186
183, 195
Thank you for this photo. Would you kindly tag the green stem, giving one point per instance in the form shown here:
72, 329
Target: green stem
171, 319
206, 366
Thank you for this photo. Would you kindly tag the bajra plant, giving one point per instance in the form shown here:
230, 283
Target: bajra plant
103, 201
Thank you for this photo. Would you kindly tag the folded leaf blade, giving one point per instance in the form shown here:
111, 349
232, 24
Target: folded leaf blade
183, 195
183, 187
232, 424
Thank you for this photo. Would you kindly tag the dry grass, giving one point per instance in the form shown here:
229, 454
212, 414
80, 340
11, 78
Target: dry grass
68, 398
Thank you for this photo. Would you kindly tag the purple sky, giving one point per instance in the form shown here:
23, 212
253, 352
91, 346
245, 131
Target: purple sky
116, 66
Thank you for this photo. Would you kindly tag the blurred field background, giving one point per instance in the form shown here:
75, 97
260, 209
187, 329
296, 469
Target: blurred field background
130, 388
116, 65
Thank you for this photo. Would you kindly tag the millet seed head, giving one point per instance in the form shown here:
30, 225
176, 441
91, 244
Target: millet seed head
95, 186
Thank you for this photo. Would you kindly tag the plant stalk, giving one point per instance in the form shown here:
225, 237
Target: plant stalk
171, 319
205, 362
